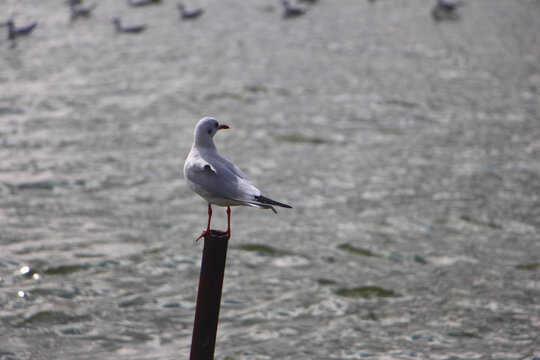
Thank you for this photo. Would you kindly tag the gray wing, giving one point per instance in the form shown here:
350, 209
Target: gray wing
232, 168
217, 177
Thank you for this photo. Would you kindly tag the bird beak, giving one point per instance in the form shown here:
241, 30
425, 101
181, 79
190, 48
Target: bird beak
223, 127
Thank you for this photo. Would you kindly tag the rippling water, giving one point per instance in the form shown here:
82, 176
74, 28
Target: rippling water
408, 148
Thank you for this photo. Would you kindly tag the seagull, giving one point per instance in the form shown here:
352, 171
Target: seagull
446, 10
218, 180
13, 31
80, 11
128, 29
189, 14
136, 3
448, 5
290, 11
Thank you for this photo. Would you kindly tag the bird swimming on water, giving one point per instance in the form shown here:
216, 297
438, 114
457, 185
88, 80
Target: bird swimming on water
448, 5
446, 10
218, 180
128, 29
137, 3
189, 14
80, 11
14, 32
291, 11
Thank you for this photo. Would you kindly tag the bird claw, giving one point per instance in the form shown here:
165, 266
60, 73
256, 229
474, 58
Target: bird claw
203, 235
215, 232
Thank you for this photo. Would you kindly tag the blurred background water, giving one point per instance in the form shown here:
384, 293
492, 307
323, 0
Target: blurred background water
409, 149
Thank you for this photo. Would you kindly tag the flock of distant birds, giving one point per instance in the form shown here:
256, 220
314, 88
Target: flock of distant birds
443, 10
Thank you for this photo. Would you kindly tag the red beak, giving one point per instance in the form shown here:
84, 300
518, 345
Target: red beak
223, 127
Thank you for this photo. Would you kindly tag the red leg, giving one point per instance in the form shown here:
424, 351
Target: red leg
228, 232
207, 231
229, 221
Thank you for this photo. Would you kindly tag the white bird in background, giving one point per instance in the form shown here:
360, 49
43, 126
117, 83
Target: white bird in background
218, 180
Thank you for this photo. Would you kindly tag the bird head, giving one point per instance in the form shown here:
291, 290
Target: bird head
205, 130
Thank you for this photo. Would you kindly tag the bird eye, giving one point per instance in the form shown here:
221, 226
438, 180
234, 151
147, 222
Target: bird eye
216, 125
209, 131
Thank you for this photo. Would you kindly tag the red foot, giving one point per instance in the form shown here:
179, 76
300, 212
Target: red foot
204, 233
218, 232
209, 232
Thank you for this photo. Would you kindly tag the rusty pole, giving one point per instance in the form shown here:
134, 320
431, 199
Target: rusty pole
209, 296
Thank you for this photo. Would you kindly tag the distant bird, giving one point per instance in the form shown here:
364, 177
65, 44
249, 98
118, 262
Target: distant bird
309, 1
80, 11
189, 14
14, 32
448, 5
218, 180
446, 10
291, 11
128, 29
74, 2
136, 3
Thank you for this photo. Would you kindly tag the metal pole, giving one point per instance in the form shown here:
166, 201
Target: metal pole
209, 296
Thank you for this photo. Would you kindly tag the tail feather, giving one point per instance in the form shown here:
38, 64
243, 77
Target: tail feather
262, 202
266, 201
260, 206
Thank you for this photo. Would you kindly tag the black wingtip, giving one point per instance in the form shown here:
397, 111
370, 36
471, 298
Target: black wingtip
265, 200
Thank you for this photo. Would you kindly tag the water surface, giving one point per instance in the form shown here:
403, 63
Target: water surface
408, 148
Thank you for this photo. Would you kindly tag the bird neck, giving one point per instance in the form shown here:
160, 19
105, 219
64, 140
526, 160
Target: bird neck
204, 143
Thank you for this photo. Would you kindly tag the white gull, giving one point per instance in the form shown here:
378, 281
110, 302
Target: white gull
218, 180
